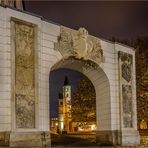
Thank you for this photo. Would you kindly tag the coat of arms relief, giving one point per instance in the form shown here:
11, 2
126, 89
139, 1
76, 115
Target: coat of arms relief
79, 44
125, 67
24, 74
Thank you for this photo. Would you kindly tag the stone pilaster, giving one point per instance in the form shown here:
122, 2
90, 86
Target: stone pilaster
129, 134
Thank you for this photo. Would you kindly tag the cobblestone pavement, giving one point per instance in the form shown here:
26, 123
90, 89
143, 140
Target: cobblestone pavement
77, 142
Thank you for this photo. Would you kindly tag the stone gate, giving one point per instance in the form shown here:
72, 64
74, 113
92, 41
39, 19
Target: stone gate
30, 48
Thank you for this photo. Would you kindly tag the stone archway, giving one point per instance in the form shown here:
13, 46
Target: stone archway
40, 46
102, 89
115, 75
83, 53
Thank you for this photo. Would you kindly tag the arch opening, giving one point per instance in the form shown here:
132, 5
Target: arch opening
101, 85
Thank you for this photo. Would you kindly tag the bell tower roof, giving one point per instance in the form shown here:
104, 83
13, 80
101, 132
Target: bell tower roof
66, 81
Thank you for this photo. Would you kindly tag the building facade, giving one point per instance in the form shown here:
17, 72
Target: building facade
30, 48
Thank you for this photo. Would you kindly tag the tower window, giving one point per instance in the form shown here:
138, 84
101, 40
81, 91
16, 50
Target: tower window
66, 89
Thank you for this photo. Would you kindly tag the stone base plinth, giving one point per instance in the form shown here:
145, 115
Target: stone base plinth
25, 139
30, 139
107, 138
4, 139
130, 137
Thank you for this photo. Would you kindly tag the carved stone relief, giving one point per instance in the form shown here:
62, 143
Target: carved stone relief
126, 66
79, 44
127, 105
125, 70
24, 75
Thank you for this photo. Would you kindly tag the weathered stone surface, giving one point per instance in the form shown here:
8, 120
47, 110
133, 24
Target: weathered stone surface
126, 66
130, 137
4, 138
24, 75
127, 105
107, 138
79, 44
25, 139
30, 139
126, 72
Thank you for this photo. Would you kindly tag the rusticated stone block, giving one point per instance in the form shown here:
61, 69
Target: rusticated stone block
30, 139
107, 138
4, 138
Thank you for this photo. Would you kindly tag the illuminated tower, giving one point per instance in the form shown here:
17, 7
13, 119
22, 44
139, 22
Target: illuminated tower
61, 113
67, 100
64, 117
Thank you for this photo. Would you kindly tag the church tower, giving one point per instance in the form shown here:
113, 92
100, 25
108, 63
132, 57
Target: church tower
65, 108
61, 113
67, 100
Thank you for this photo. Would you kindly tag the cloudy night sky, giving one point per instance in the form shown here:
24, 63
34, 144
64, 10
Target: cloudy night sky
122, 20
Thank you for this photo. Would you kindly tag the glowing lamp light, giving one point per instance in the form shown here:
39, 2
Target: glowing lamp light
62, 125
93, 127
80, 129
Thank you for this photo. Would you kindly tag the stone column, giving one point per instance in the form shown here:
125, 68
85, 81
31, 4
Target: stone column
25, 130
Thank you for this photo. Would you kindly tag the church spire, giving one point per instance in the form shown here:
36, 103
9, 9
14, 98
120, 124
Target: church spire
66, 82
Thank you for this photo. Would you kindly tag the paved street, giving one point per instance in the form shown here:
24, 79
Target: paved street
86, 140
74, 140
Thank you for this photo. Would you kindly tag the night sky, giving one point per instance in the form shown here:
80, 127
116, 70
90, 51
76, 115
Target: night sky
122, 20
102, 19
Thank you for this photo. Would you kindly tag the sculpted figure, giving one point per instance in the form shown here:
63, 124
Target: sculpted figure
80, 45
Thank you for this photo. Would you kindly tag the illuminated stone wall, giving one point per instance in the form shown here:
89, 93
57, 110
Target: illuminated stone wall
24, 84
24, 75
125, 68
